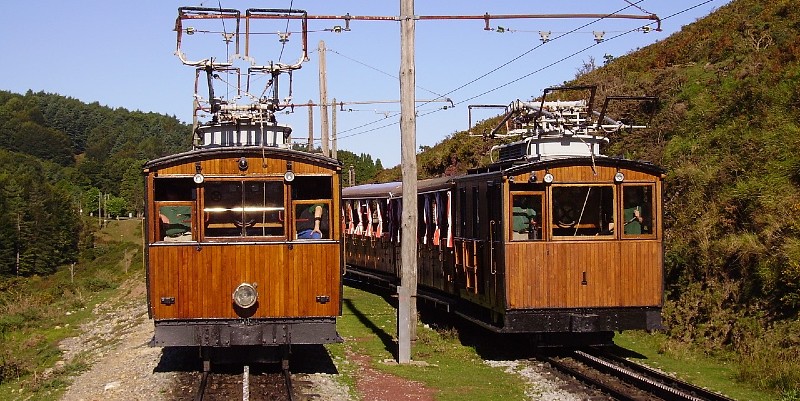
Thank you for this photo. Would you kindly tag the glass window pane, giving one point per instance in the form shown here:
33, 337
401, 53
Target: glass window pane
526, 217
244, 209
263, 209
637, 204
583, 210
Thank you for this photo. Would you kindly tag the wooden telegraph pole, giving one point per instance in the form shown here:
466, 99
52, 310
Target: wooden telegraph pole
333, 129
310, 126
407, 291
323, 99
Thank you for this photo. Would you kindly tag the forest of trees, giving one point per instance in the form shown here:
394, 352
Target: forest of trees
61, 159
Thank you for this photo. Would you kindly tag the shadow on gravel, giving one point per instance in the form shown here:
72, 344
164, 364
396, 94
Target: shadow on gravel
494, 346
179, 359
311, 359
304, 359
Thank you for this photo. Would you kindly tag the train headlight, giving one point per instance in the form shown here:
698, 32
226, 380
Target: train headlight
245, 295
288, 176
548, 178
619, 177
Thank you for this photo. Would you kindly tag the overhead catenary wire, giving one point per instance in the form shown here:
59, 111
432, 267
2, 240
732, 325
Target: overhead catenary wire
498, 68
395, 77
283, 43
486, 74
515, 80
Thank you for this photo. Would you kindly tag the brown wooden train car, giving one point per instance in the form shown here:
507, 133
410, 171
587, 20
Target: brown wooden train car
232, 253
561, 245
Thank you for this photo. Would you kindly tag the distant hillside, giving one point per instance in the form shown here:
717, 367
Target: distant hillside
727, 133
57, 156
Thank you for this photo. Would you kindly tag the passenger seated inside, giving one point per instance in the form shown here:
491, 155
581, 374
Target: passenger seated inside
525, 218
176, 223
312, 221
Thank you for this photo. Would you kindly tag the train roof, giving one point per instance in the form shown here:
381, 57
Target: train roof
240, 151
395, 189
515, 168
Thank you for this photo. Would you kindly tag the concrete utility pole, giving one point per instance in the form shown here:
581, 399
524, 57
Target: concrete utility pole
323, 99
310, 127
407, 291
333, 129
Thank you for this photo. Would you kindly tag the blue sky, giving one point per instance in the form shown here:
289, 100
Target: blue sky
121, 54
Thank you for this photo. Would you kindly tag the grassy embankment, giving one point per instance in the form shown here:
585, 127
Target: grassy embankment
38, 312
453, 371
456, 372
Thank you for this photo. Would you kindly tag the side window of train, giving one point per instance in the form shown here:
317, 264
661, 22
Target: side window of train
462, 214
244, 209
637, 210
174, 202
312, 198
526, 216
476, 213
583, 210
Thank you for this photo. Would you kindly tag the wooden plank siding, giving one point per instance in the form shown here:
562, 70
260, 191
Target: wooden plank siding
202, 281
550, 275
584, 175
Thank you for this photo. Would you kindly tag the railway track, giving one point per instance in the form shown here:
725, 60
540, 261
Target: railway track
625, 380
249, 385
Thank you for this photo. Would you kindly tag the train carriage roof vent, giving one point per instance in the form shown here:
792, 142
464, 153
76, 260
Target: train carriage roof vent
513, 151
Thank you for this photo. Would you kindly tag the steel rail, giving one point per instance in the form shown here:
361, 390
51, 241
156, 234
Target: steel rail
580, 376
201, 391
671, 387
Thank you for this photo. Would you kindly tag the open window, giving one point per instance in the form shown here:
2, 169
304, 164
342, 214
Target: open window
312, 199
638, 210
236, 209
526, 216
583, 211
174, 204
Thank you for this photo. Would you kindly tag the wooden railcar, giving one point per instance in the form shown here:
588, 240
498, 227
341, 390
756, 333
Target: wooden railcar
225, 266
552, 238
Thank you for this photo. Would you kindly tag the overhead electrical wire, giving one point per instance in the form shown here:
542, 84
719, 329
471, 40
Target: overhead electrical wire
488, 73
537, 47
575, 54
283, 43
517, 79
395, 77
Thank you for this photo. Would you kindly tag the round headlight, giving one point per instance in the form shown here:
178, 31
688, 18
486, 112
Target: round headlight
288, 176
548, 178
198, 178
619, 177
245, 295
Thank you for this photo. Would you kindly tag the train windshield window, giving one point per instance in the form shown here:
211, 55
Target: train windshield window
244, 209
526, 216
580, 211
637, 210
